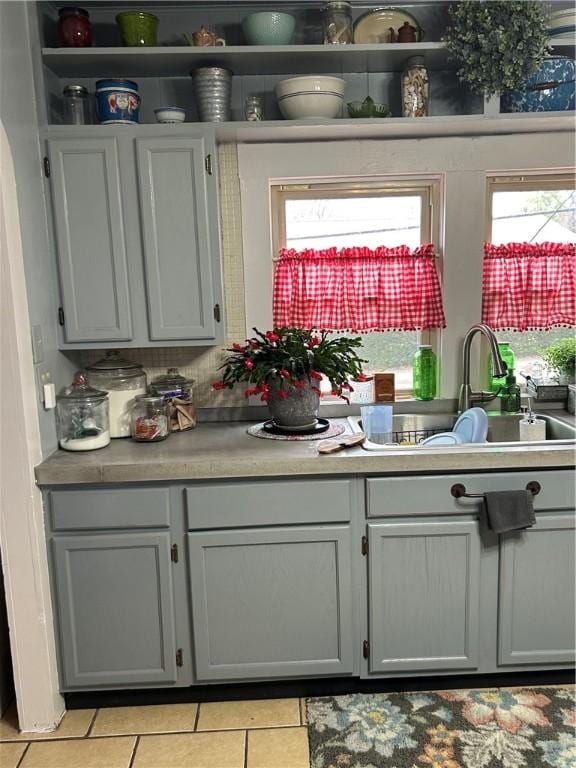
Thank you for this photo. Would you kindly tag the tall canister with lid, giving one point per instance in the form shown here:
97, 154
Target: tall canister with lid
177, 391
123, 380
424, 373
415, 88
82, 416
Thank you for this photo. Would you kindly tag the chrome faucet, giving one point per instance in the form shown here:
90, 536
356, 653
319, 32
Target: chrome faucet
467, 396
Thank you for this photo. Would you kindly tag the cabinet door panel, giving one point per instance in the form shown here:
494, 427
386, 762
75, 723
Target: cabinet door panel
90, 239
537, 593
115, 609
180, 238
271, 603
424, 581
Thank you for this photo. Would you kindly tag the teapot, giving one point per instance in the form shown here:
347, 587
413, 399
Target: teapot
409, 34
203, 37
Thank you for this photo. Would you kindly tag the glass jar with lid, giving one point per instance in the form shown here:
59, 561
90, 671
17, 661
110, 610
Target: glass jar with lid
76, 105
337, 22
415, 88
74, 28
149, 419
123, 380
177, 391
82, 416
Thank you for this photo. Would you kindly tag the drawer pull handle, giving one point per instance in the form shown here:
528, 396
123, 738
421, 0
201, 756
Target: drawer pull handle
459, 491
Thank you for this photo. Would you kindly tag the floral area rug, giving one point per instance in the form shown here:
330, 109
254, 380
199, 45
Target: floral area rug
497, 728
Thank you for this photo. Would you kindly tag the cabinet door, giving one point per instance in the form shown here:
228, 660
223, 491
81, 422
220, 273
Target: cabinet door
115, 609
181, 236
271, 602
90, 238
537, 594
424, 585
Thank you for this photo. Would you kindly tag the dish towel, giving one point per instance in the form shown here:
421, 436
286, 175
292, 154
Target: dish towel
509, 510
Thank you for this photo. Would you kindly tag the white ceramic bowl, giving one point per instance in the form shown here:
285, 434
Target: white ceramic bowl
310, 96
170, 115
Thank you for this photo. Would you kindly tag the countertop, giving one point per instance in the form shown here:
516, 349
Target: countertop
225, 450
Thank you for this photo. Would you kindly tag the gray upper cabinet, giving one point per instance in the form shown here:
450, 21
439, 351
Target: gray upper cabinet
424, 593
176, 197
537, 593
91, 239
115, 607
270, 603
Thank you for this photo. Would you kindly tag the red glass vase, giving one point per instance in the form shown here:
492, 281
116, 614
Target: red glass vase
74, 28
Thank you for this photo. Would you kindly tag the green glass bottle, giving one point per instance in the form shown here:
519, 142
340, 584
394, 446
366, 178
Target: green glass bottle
508, 356
424, 373
510, 397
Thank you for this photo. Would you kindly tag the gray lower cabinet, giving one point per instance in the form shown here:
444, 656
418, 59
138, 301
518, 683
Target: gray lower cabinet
115, 609
537, 593
424, 595
272, 603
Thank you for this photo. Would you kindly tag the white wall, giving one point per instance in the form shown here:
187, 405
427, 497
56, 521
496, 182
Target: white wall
464, 164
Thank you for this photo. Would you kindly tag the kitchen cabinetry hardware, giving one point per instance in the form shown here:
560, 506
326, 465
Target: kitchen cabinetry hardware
217, 312
459, 491
364, 545
365, 649
179, 658
174, 553
60, 316
208, 164
46, 165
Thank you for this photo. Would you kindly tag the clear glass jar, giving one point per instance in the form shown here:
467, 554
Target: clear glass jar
253, 108
149, 419
424, 372
177, 391
76, 105
82, 416
123, 380
415, 88
337, 23
496, 383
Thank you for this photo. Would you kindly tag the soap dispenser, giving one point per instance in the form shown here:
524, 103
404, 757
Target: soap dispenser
510, 396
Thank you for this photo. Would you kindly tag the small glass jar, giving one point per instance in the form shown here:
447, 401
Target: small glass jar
337, 23
177, 391
74, 28
82, 416
253, 108
424, 373
149, 419
76, 105
415, 88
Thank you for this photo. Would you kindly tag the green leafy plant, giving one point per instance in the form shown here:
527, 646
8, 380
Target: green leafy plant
497, 43
292, 358
561, 356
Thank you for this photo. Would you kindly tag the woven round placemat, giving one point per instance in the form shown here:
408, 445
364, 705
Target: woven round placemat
258, 431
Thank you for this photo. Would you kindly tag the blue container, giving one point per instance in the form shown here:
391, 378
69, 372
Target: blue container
117, 102
550, 89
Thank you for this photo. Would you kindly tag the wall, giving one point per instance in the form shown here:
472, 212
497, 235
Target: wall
464, 163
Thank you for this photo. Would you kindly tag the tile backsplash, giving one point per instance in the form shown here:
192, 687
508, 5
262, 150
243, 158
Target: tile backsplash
202, 363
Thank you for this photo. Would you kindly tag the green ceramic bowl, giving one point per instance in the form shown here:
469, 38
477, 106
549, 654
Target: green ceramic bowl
368, 108
137, 28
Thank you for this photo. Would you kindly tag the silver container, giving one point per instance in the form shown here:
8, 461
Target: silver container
213, 90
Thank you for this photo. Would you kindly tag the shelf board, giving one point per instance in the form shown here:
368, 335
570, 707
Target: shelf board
177, 61
283, 131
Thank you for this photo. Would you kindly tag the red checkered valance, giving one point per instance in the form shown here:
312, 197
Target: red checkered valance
358, 289
529, 286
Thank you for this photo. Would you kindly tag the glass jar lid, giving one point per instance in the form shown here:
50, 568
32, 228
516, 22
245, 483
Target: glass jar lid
81, 390
415, 61
150, 399
113, 363
337, 5
75, 90
171, 382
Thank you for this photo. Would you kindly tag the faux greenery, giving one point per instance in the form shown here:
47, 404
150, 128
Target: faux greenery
561, 356
291, 358
497, 43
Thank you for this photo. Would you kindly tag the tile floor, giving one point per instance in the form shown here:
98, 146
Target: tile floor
231, 734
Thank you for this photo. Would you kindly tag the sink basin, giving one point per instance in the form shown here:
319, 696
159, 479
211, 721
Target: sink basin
409, 429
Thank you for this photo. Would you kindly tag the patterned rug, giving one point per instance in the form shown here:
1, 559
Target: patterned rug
496, 728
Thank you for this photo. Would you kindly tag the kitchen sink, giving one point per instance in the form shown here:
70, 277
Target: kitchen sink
409, 429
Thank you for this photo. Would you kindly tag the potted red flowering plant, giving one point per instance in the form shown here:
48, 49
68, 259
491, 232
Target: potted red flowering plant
285, 367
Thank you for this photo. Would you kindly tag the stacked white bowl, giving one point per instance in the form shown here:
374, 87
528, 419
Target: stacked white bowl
307, 97
562, 25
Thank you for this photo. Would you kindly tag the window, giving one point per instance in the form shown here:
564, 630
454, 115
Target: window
532, 209
359, 213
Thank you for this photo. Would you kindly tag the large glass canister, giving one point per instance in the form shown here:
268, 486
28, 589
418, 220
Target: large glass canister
149, 417
495, 383
82, 416
424, 373
177, 391
123, 380
337, 22
415, 88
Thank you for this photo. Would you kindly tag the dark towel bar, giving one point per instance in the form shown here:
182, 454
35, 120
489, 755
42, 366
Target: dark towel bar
459, 491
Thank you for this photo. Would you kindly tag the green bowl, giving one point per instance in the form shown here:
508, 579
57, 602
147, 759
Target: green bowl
363, 109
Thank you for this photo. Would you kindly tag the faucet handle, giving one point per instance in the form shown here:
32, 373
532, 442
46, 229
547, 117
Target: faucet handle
483, 396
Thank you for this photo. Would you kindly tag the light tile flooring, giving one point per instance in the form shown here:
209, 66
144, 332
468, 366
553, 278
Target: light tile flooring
268, 733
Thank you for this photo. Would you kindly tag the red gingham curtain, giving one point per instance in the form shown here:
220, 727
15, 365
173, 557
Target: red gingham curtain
529, 286
358, 289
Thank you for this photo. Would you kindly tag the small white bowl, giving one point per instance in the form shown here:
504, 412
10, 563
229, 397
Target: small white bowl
170, 115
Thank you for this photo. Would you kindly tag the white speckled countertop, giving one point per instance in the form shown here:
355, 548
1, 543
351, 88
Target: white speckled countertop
224, 450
